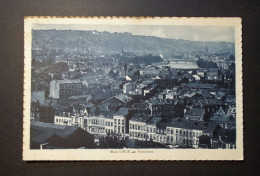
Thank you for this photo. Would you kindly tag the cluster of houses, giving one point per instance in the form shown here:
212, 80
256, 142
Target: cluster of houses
154, 120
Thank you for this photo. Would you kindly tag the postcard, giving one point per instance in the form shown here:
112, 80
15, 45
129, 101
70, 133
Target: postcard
132, 88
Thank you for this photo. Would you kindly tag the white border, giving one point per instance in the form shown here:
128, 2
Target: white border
157, 154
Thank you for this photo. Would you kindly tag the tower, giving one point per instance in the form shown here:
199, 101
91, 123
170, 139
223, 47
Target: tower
207, 49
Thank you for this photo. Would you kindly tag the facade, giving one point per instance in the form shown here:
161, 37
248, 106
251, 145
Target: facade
161, 135
137, 126
151, 128
127, 87
69, 119
62, 89
121, 121
161, 108
186, 133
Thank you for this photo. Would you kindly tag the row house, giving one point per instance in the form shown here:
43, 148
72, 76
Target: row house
99, 125
137, 126
69, 119
186, 133
121, 121
161, 135
151, 128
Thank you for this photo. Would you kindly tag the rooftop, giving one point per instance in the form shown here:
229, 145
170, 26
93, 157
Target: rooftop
122, 112
202, 86
154, 120
189, 124
140, 117
195, 112
123, 98
41, 132
67, 81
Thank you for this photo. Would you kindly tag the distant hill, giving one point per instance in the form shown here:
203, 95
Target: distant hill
105, 42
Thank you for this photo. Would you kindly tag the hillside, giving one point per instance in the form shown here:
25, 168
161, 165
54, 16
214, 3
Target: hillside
105, 42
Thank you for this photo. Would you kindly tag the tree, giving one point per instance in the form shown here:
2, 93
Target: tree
111, 141
206, 64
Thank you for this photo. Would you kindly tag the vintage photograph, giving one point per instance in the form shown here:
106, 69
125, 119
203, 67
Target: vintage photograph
133, 88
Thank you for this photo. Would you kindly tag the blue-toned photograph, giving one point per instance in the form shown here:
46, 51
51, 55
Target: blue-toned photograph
133, 86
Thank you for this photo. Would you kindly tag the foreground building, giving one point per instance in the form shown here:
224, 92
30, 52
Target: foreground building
51, 136
137, 126
186, 133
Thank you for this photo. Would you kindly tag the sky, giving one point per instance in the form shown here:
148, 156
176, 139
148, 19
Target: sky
185, 32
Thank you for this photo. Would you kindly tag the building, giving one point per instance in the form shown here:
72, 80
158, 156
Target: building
62, 89
195, 114
69, 119
121, 121
161, 135
127, 87
202, 86
115, 102
100, 125
151, 128
161, 108
51, 136
186, 133
137, 126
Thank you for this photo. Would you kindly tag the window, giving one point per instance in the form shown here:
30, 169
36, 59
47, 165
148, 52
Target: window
118, 121
123, 122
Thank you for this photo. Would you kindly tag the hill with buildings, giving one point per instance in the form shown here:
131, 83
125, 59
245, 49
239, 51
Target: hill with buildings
110, 43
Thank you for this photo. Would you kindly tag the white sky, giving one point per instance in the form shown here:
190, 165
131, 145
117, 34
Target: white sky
195, 33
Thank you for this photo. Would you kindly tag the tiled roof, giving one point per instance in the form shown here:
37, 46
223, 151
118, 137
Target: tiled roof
140, 117
202, 86
67, 81
123, 98
195, 112
41, 132
189, 124
154, 120
122, 112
